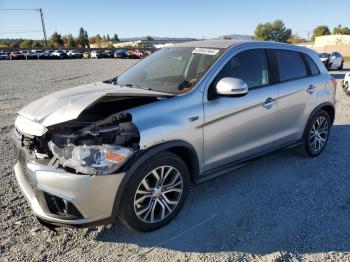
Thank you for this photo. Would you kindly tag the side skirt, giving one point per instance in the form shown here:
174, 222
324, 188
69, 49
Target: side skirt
224, 169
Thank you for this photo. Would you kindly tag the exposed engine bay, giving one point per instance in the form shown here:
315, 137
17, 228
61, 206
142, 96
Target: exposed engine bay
100, 140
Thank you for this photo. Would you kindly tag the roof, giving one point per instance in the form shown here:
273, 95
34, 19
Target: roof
214, 43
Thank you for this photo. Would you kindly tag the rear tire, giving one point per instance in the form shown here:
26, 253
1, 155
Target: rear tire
155, 193
316, 135
341, 66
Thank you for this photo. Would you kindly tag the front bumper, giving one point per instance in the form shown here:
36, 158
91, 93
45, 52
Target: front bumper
62, 198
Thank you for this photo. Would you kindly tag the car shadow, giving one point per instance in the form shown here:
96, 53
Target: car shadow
279, 202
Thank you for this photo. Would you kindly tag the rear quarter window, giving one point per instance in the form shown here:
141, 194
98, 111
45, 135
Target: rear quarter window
312, 65
290, 65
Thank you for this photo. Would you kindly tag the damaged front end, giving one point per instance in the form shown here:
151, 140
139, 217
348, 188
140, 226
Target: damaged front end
71, 148
100, 147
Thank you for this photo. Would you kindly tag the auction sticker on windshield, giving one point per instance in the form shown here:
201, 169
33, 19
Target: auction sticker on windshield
205, 51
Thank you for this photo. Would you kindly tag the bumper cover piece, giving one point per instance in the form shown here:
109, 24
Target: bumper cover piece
87, 199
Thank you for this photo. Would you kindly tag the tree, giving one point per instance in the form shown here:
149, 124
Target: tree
70, 41
86, 36
275, 31
83, 38
36, 44
295, 39
341, 30
115, 38
26, 44
15, 43
319, 31
56, 40
149, 38
108, 37
227, 37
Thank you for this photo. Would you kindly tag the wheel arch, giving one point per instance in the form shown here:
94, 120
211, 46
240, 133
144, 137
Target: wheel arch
181, 148
328, 107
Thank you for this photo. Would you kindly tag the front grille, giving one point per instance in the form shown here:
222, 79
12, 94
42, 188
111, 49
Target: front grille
61, 207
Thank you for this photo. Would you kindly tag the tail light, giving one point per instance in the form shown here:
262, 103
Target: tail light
334, 82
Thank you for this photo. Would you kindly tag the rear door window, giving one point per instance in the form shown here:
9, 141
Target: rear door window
290, 65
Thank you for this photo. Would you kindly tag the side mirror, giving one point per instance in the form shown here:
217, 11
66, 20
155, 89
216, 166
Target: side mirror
229, 86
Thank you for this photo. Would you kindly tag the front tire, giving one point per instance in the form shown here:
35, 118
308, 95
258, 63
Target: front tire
155, 193
316, 135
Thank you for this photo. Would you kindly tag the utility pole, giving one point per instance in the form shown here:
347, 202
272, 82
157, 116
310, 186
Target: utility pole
43, 24
308, 35
26, 9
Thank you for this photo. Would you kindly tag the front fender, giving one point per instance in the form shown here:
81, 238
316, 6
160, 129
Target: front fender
142, 156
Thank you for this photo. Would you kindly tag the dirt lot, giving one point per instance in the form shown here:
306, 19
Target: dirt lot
279, 207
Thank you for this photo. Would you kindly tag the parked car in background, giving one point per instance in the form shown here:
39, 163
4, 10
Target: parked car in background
74, 54
128, 147
60, 54
332, 60
136, 54
86, 55
33, 54
129, 53
4, 55
108, 54
96, 54
121, 53
147, 53
47, 55
346, 83
17, 55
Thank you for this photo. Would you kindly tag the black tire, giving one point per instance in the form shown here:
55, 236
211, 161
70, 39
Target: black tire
127, 211
306, 149
346, 86
347, 91
341, 66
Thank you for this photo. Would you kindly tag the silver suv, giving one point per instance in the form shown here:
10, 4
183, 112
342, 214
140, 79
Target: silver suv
130, 146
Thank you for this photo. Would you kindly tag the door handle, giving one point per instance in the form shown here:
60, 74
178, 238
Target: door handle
269, 103
311, 89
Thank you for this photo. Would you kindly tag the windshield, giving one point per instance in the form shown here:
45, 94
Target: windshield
324, 55
172, 70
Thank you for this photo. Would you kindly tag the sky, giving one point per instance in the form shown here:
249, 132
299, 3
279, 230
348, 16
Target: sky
178, 18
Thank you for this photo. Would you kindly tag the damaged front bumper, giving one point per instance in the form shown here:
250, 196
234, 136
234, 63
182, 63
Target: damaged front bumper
62, 198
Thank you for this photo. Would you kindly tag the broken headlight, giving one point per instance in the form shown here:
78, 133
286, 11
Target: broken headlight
99, 159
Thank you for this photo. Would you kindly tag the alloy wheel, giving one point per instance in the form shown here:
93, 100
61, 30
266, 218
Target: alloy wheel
318, 134
158, 194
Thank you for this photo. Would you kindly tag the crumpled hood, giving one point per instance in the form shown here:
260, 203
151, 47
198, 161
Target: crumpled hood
67, 104
323, 59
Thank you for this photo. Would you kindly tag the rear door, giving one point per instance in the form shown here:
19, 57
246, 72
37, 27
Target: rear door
297, 93
239, 127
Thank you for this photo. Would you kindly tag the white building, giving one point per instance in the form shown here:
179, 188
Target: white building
321, 41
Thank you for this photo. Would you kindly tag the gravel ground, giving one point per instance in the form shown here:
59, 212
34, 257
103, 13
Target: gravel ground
280, 207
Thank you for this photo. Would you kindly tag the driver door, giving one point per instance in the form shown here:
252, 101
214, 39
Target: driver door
238, 127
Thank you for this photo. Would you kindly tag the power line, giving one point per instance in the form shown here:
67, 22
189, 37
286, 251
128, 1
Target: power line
20, 32
17, 9
27, 9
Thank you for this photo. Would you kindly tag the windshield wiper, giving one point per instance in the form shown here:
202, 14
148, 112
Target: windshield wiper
113, 81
